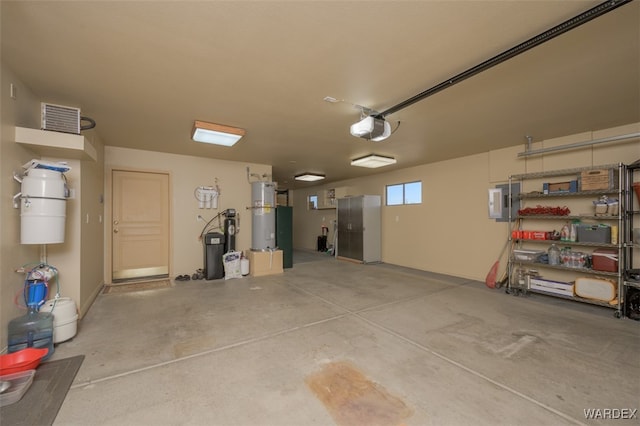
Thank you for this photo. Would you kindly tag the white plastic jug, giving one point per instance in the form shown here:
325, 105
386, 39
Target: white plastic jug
244, 266
554, 255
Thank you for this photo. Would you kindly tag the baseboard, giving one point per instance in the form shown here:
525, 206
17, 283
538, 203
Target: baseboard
86, 306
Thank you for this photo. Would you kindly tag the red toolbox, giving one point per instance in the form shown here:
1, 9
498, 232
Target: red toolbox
605, 259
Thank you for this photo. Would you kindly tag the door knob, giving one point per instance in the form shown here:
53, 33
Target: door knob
115, 222
115, 231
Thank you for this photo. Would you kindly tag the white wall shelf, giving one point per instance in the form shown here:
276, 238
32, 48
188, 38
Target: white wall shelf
328, 199
56, 144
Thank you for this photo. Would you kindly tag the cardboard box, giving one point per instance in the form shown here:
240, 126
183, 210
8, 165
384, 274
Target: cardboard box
598, 179
265, 262
550, 188
555, 287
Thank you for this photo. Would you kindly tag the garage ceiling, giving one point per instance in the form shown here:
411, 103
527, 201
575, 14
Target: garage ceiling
144, 71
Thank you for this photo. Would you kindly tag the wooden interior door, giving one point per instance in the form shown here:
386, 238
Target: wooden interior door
140, 225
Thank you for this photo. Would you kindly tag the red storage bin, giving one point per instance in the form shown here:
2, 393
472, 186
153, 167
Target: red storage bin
605, 259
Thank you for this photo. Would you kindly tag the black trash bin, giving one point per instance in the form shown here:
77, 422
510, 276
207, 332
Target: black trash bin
322, 243
213, 251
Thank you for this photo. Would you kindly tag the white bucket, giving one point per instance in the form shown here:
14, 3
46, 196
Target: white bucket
65, 318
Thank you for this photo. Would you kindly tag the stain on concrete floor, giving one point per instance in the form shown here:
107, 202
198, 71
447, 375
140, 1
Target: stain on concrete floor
352, 399
193, 346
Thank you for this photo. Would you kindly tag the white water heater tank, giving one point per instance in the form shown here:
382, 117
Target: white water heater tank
42, 207
263, 223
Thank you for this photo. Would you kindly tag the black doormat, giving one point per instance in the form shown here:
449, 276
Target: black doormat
42, 401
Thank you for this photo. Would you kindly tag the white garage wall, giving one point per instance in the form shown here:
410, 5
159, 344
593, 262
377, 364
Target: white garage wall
450, 232
187, 173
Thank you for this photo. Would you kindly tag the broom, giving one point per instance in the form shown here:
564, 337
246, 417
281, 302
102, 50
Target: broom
490, 280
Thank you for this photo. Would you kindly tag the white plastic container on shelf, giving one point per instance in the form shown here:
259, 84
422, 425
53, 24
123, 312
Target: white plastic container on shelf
527, 255
65, 318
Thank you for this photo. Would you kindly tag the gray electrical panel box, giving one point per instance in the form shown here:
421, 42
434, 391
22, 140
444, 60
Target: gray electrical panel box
498, 202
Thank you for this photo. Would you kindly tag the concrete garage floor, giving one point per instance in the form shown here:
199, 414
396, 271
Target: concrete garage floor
332, 342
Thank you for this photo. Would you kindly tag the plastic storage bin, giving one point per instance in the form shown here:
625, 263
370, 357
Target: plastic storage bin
594, 234
18, 385
527, 255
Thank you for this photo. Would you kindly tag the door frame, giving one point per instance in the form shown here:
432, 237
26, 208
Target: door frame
108, 217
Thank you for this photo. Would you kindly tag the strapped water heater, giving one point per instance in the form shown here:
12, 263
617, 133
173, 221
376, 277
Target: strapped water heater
263, 204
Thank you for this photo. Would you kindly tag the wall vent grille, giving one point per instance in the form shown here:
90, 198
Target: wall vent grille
60, 118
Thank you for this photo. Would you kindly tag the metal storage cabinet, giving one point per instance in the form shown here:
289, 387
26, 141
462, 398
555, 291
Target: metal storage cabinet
359, 228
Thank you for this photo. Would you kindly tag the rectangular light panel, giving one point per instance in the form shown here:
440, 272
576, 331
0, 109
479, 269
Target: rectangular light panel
309, 177
217, 134
373, 161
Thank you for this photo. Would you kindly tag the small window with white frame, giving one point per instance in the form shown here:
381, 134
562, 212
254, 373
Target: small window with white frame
404, 193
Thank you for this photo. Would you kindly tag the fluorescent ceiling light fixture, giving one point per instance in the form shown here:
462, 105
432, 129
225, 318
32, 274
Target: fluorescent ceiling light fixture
217, 134
373, 128
372, 161
309, 177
